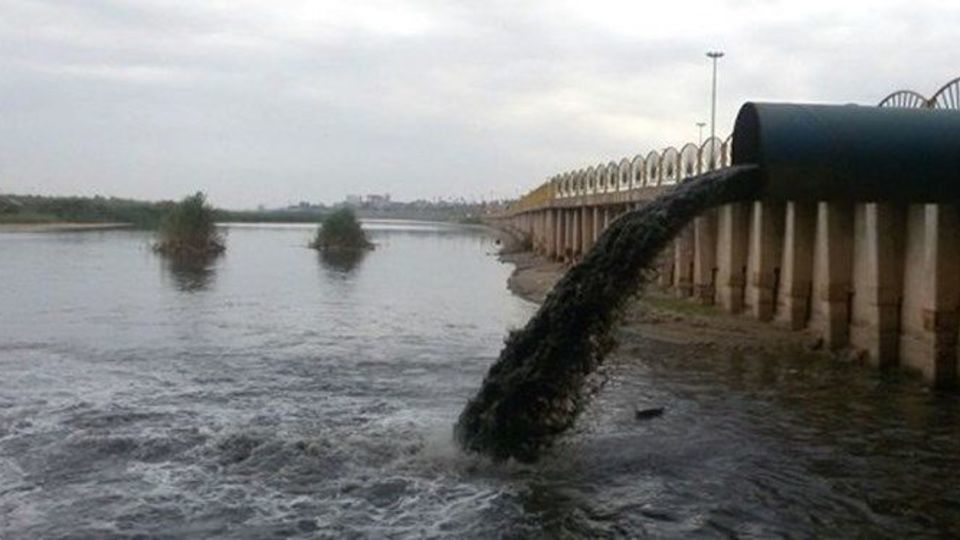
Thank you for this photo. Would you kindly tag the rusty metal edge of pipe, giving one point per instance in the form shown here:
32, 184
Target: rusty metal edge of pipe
850, 153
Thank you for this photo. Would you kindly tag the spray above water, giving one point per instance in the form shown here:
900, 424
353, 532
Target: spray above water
535, 389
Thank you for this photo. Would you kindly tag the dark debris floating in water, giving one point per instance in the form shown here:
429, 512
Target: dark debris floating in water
535, 389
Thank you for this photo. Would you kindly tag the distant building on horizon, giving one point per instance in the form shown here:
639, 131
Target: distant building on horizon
378, 201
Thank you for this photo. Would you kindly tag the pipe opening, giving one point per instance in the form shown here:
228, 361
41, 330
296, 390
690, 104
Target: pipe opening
746, 136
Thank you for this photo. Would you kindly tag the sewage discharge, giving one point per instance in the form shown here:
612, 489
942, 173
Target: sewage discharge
535, 389
781, 152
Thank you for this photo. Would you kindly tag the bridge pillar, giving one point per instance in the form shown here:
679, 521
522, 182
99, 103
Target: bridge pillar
597, 227
763, 265
540, 225
797, 265
832, 268
532, 228
732, 244
606, 217
577, 233
878, 281
705, 257
586, 223
931, 292
552, 232
683, 249
547, 216
561, 234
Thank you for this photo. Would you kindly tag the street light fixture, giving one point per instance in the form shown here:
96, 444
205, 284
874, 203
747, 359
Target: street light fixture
714, 55
700, 126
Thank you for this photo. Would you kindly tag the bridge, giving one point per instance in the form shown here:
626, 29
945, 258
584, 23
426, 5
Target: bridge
881, 279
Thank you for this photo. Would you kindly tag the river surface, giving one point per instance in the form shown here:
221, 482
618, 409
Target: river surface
276, 393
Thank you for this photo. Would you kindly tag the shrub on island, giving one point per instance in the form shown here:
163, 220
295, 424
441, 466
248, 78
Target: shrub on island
340, 230
188, 230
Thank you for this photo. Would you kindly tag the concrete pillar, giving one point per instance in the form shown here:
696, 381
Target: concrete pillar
606, 217
532, 230
562, 234
878, 232
763, 264
705, 257
586, 223
665, 264
832, 272
732, 245
796, 268
568, 248
540, 247
550, 232
577, 232
931, 293
597, 226
683, 262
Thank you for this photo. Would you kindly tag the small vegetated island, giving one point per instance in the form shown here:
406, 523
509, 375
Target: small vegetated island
340, 231
189, 230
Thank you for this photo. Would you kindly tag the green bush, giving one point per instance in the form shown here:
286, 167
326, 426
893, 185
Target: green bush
189, 229
341, 230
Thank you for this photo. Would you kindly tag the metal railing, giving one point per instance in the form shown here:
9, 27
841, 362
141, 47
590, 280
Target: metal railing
669, 166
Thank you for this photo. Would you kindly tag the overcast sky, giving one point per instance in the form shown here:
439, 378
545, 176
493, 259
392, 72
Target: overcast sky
279, 101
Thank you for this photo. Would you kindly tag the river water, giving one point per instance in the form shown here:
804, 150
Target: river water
277, 393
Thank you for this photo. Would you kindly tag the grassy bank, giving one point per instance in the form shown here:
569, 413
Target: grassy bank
27, 209
35, 209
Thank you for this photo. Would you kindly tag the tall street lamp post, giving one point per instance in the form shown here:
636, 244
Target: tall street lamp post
714, 55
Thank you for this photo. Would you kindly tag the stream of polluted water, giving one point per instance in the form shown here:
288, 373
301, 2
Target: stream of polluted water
536, 388
277, 393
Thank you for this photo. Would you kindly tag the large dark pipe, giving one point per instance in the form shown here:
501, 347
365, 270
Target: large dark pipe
850, 152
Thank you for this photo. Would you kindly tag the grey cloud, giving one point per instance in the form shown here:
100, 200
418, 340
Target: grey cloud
255, 104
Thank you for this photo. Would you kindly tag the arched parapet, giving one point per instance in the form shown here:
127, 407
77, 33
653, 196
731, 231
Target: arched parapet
623, 175
711, 155
652, 166
726, 152
905, 99
582, 181
948, 96
689, 160
589, 179
600, 178
637, 171
669, 166
557, 182
569, 180
611, 170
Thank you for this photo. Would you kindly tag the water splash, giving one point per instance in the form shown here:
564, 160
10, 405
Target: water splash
535, 389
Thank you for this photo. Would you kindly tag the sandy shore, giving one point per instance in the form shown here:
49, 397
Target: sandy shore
59, 227
660, 316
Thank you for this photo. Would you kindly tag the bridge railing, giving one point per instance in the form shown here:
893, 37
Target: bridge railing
669, 166
656, 168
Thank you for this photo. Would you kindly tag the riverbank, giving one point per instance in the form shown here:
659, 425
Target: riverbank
60, 226
660, 316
